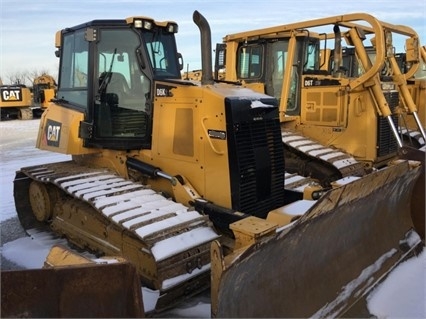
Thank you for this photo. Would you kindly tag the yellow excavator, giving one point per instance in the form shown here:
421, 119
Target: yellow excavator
339, 113
186, 180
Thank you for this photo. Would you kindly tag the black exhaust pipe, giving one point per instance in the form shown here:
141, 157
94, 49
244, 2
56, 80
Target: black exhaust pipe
206, 48
337, 50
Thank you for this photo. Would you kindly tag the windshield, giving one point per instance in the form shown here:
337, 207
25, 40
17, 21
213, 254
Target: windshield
161, 48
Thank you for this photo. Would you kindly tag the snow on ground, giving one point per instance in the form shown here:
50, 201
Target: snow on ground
401, 295
17, 149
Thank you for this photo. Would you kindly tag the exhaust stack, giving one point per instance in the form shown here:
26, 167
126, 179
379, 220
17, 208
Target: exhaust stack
337, 50
206, 48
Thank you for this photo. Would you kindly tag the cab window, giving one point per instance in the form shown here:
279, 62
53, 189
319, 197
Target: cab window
250, 60
123, 98
74, 66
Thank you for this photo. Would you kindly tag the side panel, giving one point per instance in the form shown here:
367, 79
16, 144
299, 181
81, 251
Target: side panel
324, 105
59, 131
188, 126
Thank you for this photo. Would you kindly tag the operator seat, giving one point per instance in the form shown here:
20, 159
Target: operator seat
118, 85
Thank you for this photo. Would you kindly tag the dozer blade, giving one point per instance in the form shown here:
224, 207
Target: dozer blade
418, 198
326, 261
86, 290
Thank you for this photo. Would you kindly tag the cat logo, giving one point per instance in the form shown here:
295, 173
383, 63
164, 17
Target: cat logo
53, 133
11, 94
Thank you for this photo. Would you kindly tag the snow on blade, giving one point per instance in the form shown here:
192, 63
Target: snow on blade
298, 207
403, 293
346, 180
330, 310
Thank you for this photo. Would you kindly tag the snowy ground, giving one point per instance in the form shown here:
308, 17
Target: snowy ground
401, 295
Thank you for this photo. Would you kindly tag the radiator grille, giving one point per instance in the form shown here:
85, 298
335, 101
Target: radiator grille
386, 141
256, 161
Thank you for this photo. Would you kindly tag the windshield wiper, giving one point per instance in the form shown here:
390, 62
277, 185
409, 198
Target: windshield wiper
106, 76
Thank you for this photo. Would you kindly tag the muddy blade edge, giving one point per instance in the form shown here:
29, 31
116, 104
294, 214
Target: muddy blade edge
331, 256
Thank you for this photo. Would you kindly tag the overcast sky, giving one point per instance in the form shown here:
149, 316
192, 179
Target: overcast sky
27, 27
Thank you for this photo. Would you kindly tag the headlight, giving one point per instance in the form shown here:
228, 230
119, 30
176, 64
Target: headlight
147, 24
172, 28
139, 23
388, 86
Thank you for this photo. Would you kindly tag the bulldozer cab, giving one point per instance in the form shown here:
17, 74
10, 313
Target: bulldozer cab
269, 60
125, 56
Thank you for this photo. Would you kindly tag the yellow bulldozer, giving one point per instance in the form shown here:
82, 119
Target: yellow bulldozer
21, 102
417, 88
416, 84
339, 112
187, 181
15, 102
44, 89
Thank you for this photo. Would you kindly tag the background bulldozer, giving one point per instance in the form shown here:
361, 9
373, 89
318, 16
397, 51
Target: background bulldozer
15, 102
187, 182
21, 102
417, 87
407, 126
342, 106
44, 89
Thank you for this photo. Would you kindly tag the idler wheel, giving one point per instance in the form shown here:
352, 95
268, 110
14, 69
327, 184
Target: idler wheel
42, 200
